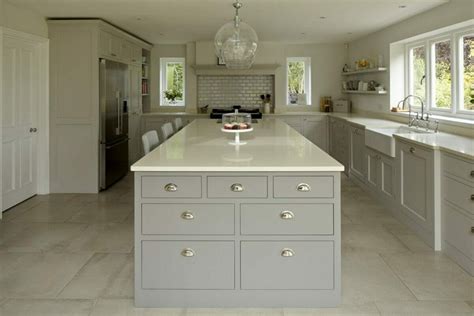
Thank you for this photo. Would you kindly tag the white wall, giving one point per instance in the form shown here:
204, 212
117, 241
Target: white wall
20, 19
371, 46
326, 61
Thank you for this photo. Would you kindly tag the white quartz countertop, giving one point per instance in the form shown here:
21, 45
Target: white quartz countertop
272, 146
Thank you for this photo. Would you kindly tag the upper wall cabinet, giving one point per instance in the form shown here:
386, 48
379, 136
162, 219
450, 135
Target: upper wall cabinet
119, 49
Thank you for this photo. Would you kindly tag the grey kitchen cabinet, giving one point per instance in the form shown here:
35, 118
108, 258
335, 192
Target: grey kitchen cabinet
135, 109
380, 175
315, 128
419, 190
357, 158
110, 45
295, 122
339, 141
458, 209
206, 242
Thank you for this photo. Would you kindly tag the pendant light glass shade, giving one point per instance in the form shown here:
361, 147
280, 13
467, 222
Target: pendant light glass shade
236, 43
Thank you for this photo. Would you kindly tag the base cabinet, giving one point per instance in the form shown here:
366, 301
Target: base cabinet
357, 153
419, 190
380, 176
339, 141
316, 130
239, 249
458, 210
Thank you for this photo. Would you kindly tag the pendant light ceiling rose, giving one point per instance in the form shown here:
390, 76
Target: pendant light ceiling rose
236, 42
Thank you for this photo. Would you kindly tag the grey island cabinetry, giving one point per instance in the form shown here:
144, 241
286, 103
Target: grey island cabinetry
256, 225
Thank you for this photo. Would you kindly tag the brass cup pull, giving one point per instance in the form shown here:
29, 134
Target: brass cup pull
412, 149
237, 187
187, 252
303, 187
287, 215
287, 252
187, 215
171, 187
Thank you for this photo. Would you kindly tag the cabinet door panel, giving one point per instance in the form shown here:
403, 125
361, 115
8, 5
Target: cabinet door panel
373, 167
357, 153
387, 176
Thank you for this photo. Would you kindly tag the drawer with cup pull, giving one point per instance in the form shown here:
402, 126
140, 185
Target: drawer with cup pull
287, 265
303, 187
459, 194
171, 187
461, 168
187, 219
187, 265
237, 187
287, 219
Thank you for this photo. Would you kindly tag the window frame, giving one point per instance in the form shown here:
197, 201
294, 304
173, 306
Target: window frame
307, 80
164, 61
457, 70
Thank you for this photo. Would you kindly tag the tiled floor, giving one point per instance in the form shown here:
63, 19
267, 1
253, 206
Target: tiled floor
71, 254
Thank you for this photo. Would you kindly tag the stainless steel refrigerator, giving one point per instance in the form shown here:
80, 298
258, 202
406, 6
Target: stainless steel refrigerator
113, 122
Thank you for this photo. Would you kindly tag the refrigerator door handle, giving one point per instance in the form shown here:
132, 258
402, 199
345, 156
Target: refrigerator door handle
118, 129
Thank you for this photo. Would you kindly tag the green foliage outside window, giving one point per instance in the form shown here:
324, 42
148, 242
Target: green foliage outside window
174, 82
296, 76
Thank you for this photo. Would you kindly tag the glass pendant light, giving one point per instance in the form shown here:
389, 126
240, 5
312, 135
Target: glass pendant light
236, 42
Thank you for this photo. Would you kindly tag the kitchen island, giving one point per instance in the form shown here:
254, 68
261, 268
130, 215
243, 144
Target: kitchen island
255, 225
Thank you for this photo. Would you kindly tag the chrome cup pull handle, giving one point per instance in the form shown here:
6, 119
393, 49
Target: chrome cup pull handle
237, 187
412, 150
187, 252
188, 215
171, 187
287, 252
303, 187
287, 215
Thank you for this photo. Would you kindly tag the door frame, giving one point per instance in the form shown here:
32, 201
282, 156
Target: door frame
43, 106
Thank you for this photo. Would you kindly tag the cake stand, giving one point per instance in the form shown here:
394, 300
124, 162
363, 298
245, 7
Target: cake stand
237, 135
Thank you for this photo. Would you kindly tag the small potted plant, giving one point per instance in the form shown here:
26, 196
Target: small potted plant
172, 94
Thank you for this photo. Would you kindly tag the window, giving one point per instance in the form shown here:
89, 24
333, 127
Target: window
172, 87
440, 70
298, 80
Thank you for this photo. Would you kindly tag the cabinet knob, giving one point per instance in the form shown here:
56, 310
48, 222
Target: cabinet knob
171, 187
287, 215
237, 187
187, 215
287, 252
412, 149
187, 252
472, 173
303, 187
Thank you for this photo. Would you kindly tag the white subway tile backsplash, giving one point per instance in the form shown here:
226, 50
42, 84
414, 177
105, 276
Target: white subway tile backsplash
225, 91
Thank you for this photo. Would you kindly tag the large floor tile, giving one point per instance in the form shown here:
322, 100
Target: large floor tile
97, 212
432, 276
125, 307
373, 238
234, 312
428, 308
38, 275
367, 278
414, 243
54, 211
35, 237
122, 285
360, 310
95, 277
46, 307
104, 238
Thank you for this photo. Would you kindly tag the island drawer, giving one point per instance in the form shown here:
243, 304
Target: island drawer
287, 219
458, 231
237, 187
459, 194
171, 187
303, 187
188, 265
188, 219
459, 167
287, 265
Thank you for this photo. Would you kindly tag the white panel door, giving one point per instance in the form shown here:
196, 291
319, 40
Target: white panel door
20, 95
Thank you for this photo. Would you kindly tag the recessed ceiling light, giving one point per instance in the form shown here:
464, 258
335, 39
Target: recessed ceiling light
139, 18
402, 6
322, 17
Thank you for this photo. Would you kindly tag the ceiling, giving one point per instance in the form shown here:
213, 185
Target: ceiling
296, 21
